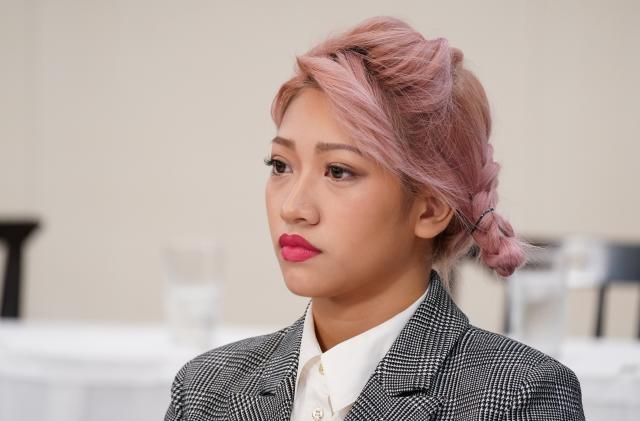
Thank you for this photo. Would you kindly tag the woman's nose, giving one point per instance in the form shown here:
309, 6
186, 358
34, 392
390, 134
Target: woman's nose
299, 202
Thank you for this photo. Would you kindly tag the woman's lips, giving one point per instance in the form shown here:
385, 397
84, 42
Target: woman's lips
297, 254
296, 248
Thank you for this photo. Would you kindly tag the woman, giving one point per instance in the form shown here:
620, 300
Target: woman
382, 179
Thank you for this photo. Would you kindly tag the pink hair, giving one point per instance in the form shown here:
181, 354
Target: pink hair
411, 106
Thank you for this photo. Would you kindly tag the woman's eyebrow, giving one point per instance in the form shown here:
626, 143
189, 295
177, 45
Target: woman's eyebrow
320, 146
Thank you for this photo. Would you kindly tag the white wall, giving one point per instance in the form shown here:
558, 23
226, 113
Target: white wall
128, 123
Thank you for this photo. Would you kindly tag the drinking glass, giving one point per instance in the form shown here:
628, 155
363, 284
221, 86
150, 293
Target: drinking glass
194, 278
538, 307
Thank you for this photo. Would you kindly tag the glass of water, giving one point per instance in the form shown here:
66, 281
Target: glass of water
538, 310
194, 278
538, 304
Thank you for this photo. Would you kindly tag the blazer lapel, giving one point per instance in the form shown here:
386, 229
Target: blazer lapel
268, 395
375, 403
400, 387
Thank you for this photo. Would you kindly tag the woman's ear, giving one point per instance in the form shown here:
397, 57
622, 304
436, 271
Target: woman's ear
434, 215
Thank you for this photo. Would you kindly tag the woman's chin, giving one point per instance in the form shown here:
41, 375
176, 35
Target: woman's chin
304, 286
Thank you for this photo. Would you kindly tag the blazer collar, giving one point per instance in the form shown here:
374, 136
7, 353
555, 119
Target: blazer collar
401, 378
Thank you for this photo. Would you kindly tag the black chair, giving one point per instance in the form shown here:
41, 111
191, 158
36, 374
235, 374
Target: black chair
621, 264
13, 234
588, 262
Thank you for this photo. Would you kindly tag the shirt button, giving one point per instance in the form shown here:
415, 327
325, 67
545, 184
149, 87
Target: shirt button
317, 414
321, 368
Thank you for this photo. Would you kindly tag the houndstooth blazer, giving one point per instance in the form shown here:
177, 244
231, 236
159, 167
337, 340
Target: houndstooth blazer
439, 368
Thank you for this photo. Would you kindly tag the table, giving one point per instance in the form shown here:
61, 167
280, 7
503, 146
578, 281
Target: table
609, 374
74, 371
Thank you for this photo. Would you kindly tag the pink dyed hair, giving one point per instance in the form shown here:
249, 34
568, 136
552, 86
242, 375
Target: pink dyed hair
411, 106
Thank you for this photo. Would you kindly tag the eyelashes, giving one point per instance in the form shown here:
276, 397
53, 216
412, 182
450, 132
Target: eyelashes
273, 163
336, 170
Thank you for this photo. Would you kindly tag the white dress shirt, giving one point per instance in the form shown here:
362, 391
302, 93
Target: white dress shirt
328, 383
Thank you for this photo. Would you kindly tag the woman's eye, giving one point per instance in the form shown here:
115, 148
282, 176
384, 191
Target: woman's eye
277, 165
338, 172
334, 171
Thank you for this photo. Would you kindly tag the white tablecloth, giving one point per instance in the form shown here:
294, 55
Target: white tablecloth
70, 371
53, 371
609, 374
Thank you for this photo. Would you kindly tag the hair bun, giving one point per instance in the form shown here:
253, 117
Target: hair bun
499, 248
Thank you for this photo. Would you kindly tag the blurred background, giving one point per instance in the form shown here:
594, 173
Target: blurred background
126, 125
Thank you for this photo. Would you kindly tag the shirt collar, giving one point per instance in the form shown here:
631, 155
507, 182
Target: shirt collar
349, 364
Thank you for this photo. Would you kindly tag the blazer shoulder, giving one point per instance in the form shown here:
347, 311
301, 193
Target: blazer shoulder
511, 351
238, 357
523, 378
502, 357
213, 372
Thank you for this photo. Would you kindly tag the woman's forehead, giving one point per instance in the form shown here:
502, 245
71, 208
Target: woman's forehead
309, 118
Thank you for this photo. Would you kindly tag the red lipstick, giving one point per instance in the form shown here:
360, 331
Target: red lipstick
296, 249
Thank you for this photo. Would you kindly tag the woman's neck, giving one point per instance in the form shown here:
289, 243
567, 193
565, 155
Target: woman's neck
337, 319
